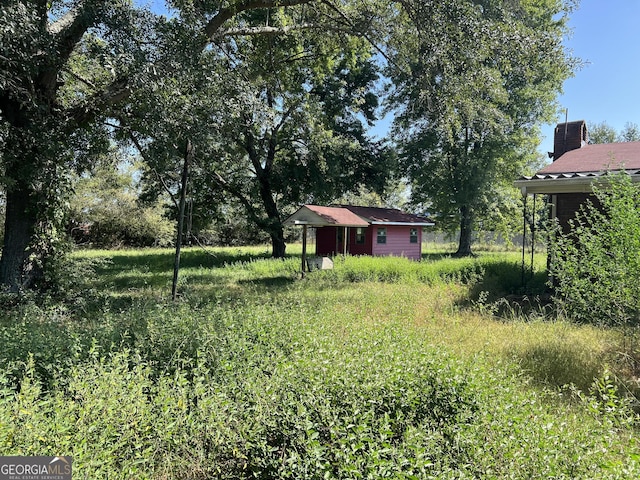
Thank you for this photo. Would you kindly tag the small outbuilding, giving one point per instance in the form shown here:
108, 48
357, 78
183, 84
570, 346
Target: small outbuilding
356, 230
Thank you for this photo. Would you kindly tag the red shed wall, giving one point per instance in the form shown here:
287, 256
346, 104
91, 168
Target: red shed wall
398, 242
326, 241
360, 249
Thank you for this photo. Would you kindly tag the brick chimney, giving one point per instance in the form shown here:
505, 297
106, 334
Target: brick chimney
569, 136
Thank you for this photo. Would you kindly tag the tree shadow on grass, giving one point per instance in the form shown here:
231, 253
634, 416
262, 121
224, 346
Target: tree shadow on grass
125, 271
160, 262
507, 281
559, 363
270, 282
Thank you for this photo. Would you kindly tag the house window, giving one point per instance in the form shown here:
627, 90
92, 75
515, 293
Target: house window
382, 235
413, 235
360, 236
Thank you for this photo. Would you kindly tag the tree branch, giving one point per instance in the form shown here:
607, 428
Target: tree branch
89, 84
42, 7
112, 94
225, 14
166, 188
250, 147
69, 29
357, 31
286, 115
266, 30
271, 152
237, 193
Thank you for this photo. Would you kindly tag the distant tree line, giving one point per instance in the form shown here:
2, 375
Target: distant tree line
604, 133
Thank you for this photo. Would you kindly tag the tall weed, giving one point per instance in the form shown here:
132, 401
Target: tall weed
258, 375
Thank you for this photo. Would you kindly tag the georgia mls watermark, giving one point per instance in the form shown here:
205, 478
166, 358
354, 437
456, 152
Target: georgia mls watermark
35, 468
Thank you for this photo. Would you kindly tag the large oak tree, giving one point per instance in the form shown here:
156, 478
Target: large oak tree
473, 81
282, 124
65, 66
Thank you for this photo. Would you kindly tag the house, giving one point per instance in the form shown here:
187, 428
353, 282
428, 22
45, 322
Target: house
362, 230
576, 166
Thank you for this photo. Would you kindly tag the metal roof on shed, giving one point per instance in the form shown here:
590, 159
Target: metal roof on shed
354, 216
317, 216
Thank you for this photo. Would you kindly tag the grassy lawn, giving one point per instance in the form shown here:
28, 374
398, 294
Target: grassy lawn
380, 368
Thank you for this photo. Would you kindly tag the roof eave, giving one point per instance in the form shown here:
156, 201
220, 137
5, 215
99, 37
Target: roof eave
300, 223
555, 185
564, 185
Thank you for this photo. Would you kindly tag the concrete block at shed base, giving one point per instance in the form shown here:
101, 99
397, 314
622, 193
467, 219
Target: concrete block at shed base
320, 263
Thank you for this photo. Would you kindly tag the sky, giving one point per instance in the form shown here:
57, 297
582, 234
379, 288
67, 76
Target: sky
606, 36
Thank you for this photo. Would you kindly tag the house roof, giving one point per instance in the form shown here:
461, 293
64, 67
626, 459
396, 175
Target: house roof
388, 216
353, 216
576, 169
596, 158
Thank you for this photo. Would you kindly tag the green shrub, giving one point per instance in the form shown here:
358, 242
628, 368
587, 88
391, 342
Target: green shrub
278, 406
596, 265
106, 211
127, 224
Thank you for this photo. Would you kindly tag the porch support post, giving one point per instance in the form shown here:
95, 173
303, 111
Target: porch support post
533, 230
304, 249
524, 234
345, 239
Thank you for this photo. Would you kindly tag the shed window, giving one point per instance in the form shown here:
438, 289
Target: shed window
382, 235
413, 235
360, 236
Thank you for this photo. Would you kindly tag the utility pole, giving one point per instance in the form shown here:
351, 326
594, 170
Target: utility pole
188, 153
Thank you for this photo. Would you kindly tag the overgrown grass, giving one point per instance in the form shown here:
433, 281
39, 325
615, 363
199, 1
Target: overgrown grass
381, 368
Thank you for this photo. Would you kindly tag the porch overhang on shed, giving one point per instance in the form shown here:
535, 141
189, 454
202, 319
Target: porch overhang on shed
317, 216
578, 182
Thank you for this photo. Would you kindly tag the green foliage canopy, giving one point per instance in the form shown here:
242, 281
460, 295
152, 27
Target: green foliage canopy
473, 79
63, 68
604, 133
276, 120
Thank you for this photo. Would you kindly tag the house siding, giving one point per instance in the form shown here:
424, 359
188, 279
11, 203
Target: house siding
398, 242
566, 206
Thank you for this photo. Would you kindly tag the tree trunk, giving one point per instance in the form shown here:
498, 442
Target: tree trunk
466, 220
274, 224
19, 225
278, 246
